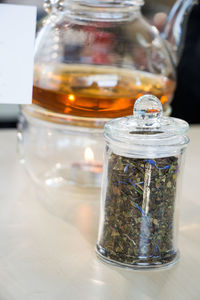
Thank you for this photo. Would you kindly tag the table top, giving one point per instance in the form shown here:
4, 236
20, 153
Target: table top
47, 246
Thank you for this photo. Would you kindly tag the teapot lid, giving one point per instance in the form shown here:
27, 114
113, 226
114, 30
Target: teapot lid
147, 127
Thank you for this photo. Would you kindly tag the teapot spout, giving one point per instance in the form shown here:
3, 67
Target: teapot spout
175, 28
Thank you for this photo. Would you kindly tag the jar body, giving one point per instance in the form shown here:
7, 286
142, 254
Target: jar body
139, 213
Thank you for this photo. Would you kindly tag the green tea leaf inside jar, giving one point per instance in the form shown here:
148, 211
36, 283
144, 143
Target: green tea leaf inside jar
139, 210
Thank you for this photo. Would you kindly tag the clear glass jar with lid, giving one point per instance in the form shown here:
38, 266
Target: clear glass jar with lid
141, 181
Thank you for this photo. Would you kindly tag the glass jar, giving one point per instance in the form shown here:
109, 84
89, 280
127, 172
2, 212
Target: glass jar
141, 181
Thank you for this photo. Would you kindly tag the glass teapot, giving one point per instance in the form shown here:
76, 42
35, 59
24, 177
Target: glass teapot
94, 58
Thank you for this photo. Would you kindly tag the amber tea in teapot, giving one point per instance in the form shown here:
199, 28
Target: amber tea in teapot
96, 91
95, 58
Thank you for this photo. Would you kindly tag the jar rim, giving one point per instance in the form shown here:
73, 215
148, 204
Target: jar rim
144, 149
107, 3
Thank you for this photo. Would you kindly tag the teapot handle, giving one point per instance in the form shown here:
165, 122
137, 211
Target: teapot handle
176, 25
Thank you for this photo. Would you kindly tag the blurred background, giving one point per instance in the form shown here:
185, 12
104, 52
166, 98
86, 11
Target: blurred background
9, 113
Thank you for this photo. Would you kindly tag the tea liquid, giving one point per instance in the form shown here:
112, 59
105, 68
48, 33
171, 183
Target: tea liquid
94, 91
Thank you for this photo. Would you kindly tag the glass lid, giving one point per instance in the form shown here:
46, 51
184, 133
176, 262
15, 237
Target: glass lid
147, 125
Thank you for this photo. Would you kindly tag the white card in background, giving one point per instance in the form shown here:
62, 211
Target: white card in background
17, 37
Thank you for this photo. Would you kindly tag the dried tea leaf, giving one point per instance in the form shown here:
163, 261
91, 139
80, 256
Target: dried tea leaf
140, 210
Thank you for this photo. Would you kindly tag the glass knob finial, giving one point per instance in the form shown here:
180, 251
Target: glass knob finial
49, 5
148, 111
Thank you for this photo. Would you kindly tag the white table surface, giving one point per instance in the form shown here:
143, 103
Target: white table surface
47, 247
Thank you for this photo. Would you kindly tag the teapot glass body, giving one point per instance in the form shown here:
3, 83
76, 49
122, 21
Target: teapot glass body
93, 59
